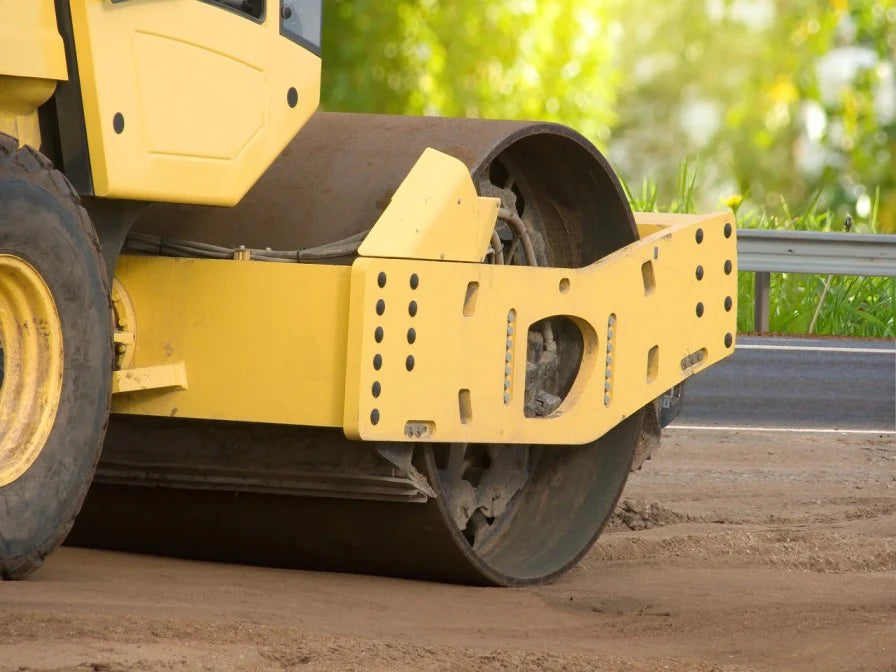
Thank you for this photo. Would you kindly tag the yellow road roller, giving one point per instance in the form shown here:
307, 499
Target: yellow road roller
237, 329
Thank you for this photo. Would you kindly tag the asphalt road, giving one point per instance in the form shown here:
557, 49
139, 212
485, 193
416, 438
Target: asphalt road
798, 383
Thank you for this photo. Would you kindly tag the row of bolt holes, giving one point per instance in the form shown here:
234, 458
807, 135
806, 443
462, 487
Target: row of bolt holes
379, 334
729, 303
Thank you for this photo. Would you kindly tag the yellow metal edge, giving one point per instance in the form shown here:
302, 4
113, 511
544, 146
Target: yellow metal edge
649, 223
434, 214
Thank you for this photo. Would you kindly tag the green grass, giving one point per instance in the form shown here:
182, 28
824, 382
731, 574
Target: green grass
852, 306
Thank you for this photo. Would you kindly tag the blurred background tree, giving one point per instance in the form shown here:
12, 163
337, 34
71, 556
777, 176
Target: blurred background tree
778, 100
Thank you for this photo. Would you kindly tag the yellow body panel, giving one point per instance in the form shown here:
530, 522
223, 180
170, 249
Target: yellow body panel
451, 223
202, 95
260, 342
637, 310
30, 44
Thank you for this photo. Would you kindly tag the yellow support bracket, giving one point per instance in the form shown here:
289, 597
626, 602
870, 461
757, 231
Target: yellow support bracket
437, 351
157, 377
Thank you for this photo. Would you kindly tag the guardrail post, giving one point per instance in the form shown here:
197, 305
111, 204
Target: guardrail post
762, 285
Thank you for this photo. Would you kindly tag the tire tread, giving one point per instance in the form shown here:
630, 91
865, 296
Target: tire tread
26, 164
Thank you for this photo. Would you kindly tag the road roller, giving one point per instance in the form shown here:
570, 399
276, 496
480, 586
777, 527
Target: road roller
235, 328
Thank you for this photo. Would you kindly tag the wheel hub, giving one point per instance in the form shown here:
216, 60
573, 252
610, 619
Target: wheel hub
30, 367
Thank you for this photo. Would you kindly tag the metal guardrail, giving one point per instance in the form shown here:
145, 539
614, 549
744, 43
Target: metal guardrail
816, 252
778, 251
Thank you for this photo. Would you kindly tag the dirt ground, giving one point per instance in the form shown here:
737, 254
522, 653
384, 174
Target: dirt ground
731, 551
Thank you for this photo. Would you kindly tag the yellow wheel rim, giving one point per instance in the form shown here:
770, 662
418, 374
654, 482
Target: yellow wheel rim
31, 337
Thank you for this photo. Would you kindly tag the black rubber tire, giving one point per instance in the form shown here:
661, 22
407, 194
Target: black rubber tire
42, 221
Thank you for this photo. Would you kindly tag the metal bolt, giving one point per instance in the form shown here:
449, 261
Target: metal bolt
608, 373
509, 344
510, 316
507, 370
612, 320
606, 400
507, 357
506, 398
609, 348
609, 333
506, 384
510, 331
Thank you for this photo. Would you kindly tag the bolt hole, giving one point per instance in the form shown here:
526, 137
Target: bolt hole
409, 363
728, 304
728, 229
564, 285
699, 310
380, 307
376, 389
728, 267
412, 336
377, 362
292, 97
381, 279
415, 281
412, 308
375, 416
729, 339
649, 278
118, 122
699, 236
699, 273
378, 335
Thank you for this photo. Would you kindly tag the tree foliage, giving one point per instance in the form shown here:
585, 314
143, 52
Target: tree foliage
775, 100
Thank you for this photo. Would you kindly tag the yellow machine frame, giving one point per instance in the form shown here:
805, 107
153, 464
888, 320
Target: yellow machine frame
341, 355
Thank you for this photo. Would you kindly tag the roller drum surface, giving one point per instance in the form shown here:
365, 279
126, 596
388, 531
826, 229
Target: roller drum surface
333, 181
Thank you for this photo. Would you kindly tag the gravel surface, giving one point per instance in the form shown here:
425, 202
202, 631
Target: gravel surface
730, 551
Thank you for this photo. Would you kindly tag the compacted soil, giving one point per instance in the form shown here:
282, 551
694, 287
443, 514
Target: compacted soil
730, 551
